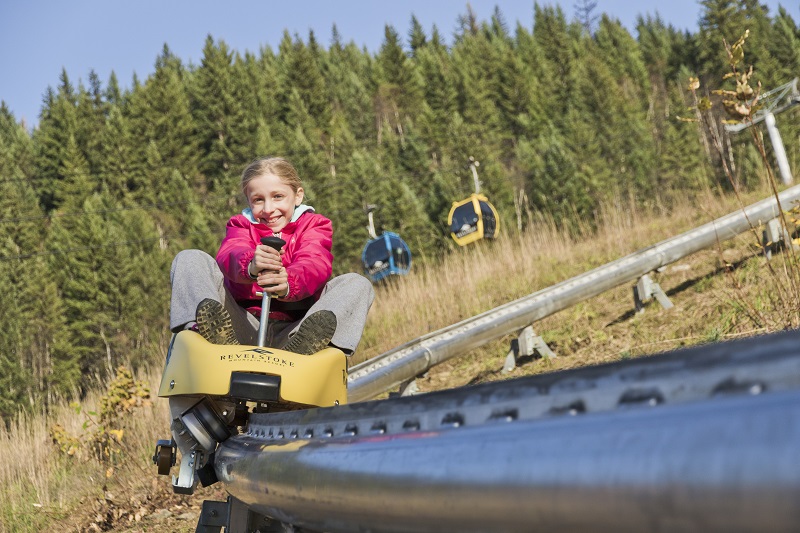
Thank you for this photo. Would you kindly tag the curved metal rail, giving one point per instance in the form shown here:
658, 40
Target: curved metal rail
704, 439
391, 369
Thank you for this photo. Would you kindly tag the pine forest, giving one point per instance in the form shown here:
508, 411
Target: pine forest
564, 113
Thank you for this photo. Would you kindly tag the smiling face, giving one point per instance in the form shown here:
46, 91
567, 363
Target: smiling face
272, 201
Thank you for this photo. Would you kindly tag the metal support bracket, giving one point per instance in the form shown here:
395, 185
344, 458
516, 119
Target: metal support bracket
645, 290
775, 235
526, 344
235, 517
186, 480
409, 388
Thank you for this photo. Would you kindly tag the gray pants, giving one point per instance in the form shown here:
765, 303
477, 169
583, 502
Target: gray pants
195, 276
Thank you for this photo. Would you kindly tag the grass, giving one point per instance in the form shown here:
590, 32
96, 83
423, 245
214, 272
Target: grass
718, 294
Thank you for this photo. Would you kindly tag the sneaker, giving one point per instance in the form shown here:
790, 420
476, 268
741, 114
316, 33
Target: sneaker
315, 333
214, 323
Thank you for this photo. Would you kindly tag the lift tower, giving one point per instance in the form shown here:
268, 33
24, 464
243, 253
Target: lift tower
774, 102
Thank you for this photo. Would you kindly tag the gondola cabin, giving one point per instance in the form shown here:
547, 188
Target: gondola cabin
386, 255
473, 219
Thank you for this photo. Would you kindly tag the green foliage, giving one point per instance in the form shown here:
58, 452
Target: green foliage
225, 132
95, 202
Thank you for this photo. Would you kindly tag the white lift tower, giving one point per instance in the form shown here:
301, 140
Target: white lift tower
774, 102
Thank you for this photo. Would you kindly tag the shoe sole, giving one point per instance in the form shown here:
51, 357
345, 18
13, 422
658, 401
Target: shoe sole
315, 334
214, 323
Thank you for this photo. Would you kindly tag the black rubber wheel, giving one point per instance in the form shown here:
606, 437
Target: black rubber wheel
164, 460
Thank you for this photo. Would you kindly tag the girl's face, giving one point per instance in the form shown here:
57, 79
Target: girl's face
272, 201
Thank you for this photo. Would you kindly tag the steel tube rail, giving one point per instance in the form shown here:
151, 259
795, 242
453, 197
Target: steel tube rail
391, 369
716, 452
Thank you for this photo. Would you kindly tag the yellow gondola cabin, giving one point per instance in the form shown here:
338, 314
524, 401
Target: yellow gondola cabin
473, 219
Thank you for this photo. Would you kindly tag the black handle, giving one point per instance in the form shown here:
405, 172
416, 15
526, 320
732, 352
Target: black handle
273, 242
277, 243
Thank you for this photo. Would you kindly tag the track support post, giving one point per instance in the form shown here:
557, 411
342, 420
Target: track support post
409, 388
527, 343
235, 517
775, 235
645, 290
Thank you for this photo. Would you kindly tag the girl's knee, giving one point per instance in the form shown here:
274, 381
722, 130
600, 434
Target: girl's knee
190, 257
355, 282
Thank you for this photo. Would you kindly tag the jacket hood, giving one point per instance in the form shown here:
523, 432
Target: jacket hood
299, 210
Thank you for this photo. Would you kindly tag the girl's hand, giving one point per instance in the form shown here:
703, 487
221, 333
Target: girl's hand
275, 283
271, 275
266, 258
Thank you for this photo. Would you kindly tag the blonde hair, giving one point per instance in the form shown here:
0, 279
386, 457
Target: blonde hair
276, 166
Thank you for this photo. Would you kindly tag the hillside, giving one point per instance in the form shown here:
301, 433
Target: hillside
718, 294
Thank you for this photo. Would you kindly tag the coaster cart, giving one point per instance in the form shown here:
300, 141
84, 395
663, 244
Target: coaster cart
384, 256
213, 388
473, 218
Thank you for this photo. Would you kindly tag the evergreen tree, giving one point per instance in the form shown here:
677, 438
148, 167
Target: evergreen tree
139, 324
18, 208
300, 70
399, 86
620, 52
30, 340
160, 113
441, 98
182, 219
784, 47
226, 134
77, 184
475, 60
16, 146
259, 80
416, 37
584, 13
725, 21
551, 33
682, 166
664, 49
656, 43
120, 171
554, 183
347, 76
621, 162
89, 257
518, 95
90, 113
113, 94
58, 122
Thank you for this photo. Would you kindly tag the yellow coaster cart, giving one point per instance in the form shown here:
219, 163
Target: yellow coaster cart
212, 389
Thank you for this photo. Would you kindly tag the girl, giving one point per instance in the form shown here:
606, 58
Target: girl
219, 298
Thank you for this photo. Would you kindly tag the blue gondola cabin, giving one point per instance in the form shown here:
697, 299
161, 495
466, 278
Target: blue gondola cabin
385, 256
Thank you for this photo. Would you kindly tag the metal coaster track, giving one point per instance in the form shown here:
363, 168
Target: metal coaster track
705, 439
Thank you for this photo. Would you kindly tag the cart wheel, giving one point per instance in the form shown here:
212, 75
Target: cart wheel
164, 460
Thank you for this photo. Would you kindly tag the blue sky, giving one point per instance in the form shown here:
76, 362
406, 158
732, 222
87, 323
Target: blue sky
39, 37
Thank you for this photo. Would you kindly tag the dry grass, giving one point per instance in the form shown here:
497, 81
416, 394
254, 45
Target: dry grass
478, 278
44, 489
41, 486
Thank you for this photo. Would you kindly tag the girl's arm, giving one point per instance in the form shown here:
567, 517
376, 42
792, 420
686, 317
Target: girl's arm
311, 262
236, 250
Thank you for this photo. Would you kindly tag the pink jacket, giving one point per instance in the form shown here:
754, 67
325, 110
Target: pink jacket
307, 258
